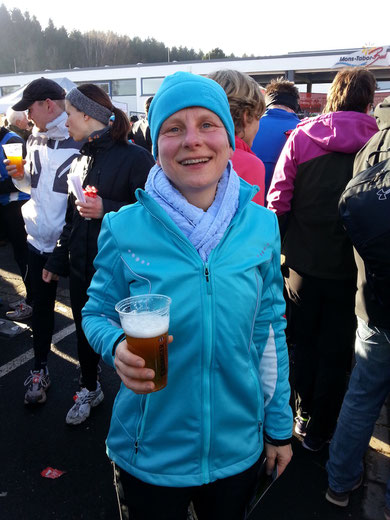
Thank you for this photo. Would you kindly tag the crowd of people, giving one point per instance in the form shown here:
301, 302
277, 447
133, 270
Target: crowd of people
224, 200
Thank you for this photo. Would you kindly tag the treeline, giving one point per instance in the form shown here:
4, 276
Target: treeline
26, 47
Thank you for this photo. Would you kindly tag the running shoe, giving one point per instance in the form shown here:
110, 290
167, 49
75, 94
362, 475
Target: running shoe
83, 402
313, 443
300, 425
23, 311
16, 303
342, 499
37, 385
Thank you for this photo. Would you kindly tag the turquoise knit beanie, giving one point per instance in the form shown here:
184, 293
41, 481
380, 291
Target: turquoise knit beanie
184, 90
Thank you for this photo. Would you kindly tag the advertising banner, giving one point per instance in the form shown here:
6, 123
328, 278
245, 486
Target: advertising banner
366, 57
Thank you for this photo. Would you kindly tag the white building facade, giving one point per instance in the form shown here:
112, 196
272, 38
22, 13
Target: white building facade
131, 85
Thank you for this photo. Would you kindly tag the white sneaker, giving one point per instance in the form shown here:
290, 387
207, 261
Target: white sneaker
21, 312
37, 385
84, 401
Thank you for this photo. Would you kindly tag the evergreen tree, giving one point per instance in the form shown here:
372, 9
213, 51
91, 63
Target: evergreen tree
26, 47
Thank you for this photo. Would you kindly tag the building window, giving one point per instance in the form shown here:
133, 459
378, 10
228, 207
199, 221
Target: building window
124, 87
9, 89
150, 85
104, 85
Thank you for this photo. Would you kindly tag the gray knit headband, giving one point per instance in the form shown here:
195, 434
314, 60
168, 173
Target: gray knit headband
88, 106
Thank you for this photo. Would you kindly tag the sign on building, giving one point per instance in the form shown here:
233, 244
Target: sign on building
365, 57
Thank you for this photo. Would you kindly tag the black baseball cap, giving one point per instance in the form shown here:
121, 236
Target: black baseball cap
39, 90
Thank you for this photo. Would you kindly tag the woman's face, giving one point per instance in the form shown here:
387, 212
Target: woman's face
193, 151
76, 124
251, 128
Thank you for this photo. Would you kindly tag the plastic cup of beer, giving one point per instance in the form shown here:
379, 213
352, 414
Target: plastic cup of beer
14, 153
145, 321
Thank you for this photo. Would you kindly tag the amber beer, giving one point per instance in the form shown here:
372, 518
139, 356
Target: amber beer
14, 152
145, 321
17, 161
153, 349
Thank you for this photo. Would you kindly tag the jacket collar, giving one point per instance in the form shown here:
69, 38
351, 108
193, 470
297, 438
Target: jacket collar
56, 129
101, 139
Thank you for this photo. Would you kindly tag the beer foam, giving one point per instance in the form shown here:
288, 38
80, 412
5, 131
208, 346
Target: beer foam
144, 324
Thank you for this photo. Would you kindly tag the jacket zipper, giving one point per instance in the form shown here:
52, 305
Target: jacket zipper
206, 383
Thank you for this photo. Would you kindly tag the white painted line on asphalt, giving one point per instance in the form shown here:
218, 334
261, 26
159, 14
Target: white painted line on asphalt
24, 358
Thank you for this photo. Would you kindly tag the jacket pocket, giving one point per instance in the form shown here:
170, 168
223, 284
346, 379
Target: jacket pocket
259, 397
140, 427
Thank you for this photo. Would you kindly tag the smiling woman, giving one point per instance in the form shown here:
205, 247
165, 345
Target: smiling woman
195, 236
193, 152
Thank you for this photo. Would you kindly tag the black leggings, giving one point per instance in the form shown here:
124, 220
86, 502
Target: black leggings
44, 297
88, 358
224, 499
321, 330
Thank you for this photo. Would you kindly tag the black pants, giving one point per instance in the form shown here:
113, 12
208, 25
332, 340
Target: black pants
13, 225
224, 499
44, 297
88, 358
321, 325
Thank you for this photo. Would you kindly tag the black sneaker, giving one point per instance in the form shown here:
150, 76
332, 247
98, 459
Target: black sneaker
341, 499
313, 443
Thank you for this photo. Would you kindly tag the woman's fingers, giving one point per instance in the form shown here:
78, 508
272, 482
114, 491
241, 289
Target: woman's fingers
131, 369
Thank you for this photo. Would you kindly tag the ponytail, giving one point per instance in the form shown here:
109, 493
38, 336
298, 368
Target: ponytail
121, 126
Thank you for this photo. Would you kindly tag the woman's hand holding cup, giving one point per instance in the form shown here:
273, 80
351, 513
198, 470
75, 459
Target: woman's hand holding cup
131, 369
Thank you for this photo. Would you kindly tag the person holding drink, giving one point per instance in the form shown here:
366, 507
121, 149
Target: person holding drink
195, 237
110, 170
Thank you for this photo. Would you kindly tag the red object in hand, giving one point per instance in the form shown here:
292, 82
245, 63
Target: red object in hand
52, 473
90, 191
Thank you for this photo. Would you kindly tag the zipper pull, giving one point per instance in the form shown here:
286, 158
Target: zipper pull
206, 273
136, 447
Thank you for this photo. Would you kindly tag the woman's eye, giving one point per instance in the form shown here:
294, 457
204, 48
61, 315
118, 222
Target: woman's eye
207, 125
173, 130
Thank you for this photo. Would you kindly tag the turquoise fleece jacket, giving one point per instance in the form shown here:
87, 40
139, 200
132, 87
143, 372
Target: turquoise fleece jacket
228, 363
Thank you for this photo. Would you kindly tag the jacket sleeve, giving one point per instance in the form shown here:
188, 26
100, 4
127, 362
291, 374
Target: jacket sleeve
281, 190
137, 174
100, 320
58, 261
270, 339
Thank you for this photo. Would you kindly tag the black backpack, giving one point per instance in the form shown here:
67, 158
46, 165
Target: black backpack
364, 208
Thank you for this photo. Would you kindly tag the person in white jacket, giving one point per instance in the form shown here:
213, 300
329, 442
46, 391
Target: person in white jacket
50, 152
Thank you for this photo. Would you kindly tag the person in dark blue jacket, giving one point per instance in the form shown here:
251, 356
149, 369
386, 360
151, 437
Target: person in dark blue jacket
282, 102
11, 220
196, 236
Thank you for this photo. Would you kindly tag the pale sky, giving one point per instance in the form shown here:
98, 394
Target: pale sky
251, 27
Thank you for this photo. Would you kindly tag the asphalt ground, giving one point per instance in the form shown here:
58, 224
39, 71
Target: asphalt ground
33, 439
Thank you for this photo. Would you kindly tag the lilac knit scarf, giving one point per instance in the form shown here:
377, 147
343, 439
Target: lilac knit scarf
204, 229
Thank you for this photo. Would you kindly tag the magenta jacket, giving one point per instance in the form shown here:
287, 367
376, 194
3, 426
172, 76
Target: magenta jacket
313, 169
250, 168
344, 132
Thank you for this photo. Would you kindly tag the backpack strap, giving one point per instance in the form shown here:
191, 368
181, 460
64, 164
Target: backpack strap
377, 151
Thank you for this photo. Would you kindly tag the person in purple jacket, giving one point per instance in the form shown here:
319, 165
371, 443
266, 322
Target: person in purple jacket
320, 274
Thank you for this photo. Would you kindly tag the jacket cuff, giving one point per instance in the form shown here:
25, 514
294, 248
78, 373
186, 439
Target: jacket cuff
117, 341
277, 442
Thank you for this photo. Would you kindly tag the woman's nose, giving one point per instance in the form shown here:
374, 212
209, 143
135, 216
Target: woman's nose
192, 137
